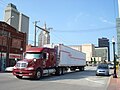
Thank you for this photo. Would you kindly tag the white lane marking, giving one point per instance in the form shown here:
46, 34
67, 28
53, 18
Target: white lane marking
108, 82
94, 81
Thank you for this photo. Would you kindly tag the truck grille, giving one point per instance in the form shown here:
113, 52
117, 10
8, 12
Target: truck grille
21, 64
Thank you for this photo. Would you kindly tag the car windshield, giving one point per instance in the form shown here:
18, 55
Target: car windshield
103, 66
32, 55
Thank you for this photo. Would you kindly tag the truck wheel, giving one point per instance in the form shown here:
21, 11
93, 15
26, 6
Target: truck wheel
63, 71
19, 77
72, 69
38, 74
58, 71
82, 68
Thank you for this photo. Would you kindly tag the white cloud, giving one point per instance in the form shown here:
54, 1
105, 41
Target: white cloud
105, 21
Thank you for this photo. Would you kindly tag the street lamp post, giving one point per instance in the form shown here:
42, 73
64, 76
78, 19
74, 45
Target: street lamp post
115, 75
21, 56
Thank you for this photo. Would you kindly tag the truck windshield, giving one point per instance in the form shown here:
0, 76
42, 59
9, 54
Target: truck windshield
33, 55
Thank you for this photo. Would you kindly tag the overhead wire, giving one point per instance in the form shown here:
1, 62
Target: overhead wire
59, 38
3, 3
86, 30
76, 31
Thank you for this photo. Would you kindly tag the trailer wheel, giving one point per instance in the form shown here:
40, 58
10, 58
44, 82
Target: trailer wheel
19, 77
38, 74
82, 68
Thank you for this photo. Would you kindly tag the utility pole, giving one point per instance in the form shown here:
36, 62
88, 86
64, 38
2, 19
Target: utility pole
35, 23
115, 74
43, 29
45, 35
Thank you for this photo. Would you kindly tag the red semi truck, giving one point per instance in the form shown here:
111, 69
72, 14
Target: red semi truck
56, 60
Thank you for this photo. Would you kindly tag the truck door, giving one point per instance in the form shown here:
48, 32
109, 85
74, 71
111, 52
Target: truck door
45, 59
52, 58
49, 58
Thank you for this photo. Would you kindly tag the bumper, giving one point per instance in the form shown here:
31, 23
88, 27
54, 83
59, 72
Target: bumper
29, 73
102, 73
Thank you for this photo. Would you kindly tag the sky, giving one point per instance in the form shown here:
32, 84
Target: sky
74, 22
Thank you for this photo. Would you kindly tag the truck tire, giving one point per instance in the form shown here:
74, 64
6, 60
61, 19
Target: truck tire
38, 74
81, 68
72, 69
19, 77
59, 71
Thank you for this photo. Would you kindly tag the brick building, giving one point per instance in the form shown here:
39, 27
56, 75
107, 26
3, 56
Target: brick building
12, 45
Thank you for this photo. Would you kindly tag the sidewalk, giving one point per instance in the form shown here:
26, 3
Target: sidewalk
114, 83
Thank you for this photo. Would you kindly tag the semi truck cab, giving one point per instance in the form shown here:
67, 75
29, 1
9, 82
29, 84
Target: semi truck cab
36, 62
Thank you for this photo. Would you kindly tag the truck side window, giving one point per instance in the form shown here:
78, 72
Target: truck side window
45, 56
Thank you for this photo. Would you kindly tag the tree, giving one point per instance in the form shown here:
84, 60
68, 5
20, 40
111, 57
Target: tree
95, 61
91, 60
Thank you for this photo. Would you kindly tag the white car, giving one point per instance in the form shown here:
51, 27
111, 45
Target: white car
9, 69
111, 66
102, 69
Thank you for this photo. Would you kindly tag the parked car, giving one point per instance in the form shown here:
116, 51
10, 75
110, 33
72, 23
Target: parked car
9, 69
111, 66
102, 69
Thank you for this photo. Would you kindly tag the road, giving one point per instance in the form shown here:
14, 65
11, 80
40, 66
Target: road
85, 80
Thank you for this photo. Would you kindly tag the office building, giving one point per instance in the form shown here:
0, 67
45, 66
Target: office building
43, 38
16, 19
88, 49
104, 42
101, 52
12, 45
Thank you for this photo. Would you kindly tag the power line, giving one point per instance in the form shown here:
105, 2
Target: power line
3, 3
59, 38
86, 30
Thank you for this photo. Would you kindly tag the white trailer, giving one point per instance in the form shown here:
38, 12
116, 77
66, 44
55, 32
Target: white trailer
68, 58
